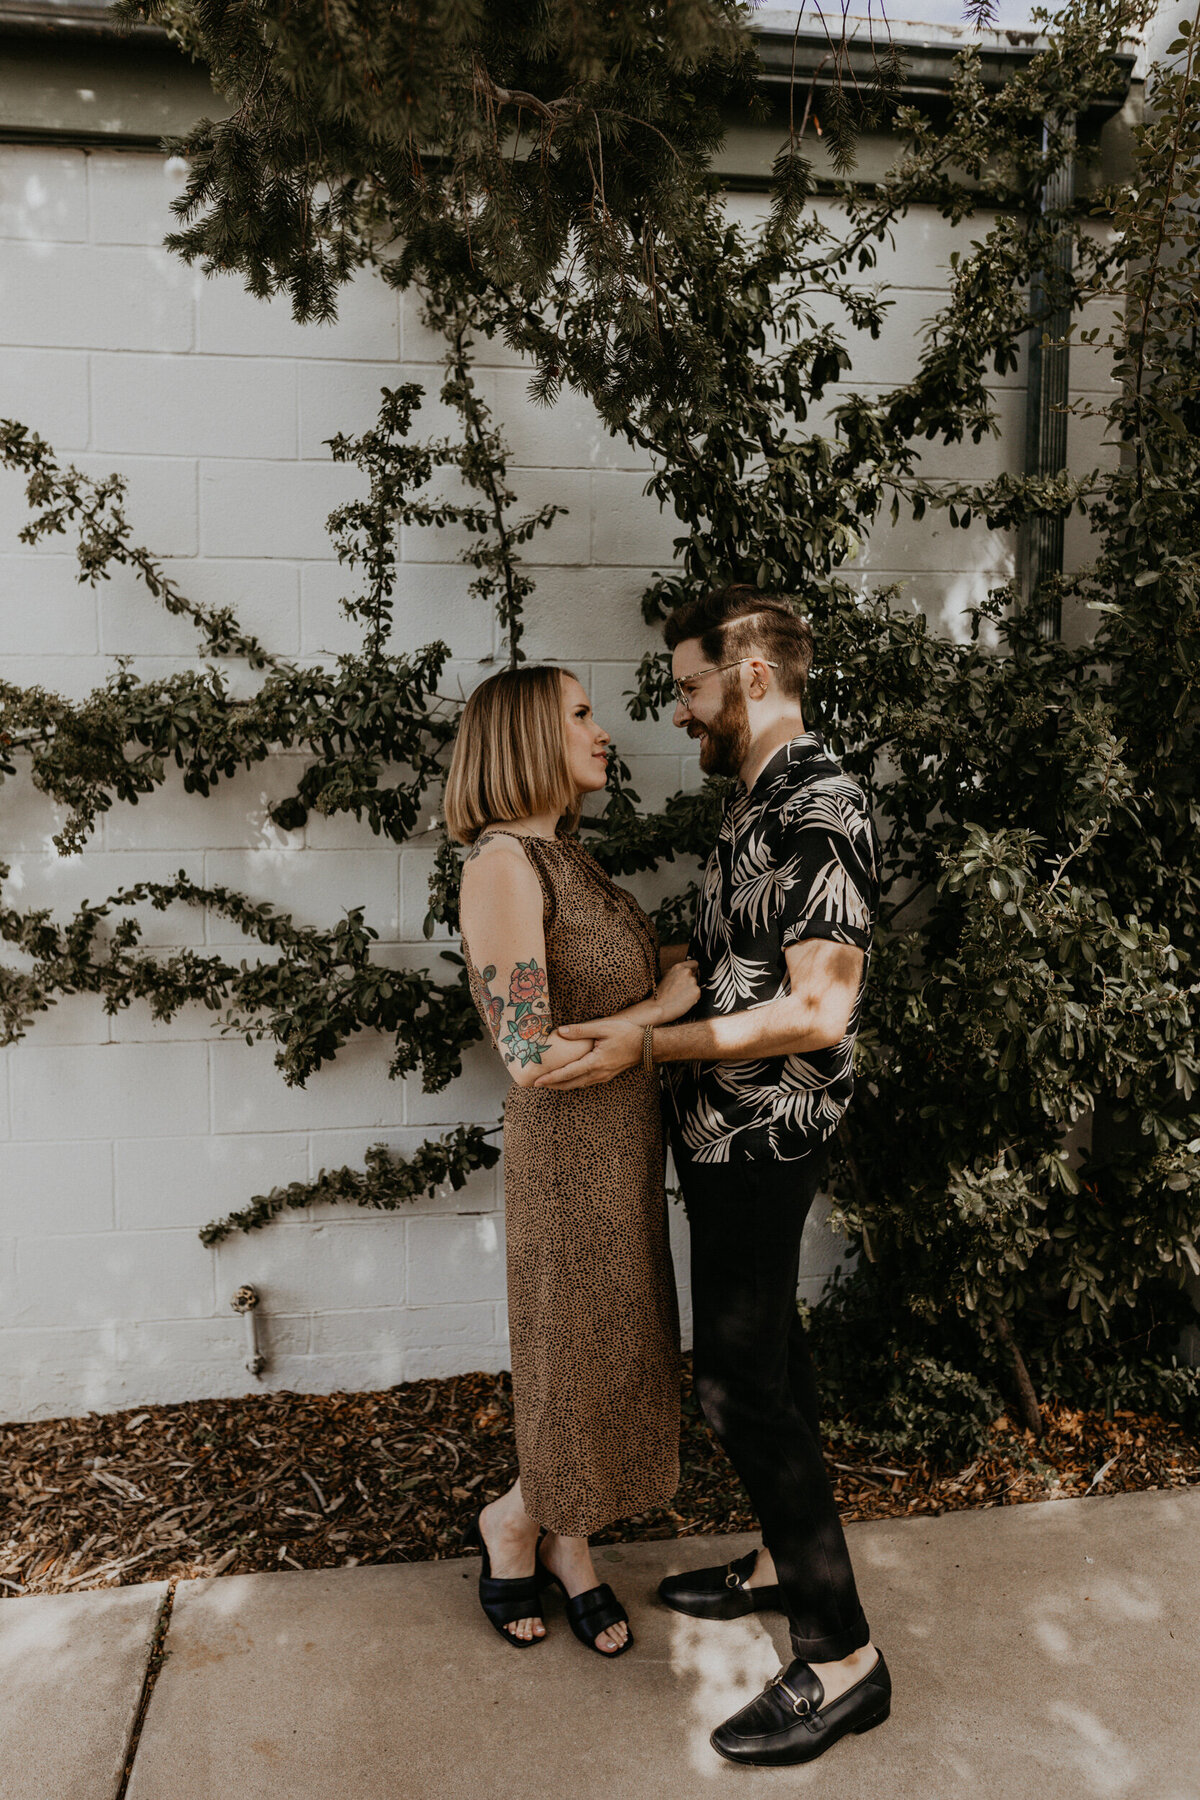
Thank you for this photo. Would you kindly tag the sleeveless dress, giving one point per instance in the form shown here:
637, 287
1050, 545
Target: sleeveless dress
593, 1323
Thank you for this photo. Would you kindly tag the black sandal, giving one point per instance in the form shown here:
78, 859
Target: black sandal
591, 1612
506, 1601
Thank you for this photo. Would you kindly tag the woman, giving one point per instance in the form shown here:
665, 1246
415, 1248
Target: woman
548, 937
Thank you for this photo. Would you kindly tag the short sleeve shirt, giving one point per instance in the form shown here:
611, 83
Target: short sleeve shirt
796, 857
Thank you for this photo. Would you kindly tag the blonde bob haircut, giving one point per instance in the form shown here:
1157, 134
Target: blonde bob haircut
510, 759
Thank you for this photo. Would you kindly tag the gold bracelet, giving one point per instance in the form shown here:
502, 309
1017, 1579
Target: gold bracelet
648, 1050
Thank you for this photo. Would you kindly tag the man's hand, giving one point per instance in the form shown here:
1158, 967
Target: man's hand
618, 1047
678, 991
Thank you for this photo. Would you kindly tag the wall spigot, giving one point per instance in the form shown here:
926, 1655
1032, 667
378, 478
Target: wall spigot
245, 1301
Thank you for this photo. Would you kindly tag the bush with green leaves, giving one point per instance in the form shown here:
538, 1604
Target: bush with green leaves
1021, 1165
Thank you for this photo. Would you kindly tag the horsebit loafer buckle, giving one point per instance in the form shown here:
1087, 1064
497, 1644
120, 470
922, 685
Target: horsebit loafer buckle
732, 1580
800, 1704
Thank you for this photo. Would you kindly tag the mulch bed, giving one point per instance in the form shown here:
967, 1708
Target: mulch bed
303, 1481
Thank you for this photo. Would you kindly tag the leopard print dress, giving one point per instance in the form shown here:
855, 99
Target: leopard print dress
591, 1297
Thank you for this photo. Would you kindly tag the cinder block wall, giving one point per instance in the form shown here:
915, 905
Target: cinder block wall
118, 1139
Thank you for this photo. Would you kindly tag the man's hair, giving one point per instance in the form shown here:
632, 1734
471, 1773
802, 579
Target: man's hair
739, 620
510, 758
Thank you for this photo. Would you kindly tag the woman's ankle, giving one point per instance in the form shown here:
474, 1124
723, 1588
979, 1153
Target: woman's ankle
508, 1515
570, 1553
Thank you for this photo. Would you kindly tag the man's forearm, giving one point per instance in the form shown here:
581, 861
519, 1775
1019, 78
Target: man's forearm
784, 1027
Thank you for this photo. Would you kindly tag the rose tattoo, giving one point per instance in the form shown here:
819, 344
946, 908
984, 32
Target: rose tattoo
527, 984
529, 1029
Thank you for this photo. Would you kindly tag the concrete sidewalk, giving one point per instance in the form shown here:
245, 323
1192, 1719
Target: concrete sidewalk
1036, 1651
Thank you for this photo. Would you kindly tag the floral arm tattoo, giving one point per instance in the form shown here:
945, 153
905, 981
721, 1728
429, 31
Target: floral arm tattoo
529, 1029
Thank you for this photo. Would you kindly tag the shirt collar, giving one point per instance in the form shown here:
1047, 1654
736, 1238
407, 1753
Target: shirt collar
803, 749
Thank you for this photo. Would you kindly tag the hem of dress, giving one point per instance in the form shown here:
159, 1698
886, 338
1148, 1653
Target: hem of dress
584, 1525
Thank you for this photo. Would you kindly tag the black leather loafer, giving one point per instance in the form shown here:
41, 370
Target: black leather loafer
719, 1593
788, 1723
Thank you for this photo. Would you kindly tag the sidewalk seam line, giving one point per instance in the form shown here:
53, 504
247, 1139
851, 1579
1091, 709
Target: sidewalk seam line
154, 1663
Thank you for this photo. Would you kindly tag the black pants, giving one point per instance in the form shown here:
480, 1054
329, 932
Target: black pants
754, 1379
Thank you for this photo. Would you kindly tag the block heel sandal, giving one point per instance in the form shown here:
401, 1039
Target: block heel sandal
504, 1602
591, 1612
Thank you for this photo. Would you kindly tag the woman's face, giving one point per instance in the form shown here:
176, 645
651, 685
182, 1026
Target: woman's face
583, 739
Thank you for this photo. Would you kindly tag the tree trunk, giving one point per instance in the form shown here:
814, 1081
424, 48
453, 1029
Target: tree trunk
1030, 1410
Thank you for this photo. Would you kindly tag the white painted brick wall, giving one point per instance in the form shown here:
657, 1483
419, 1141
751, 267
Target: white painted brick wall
129, 196
186, 1181
271, 508
154, 405
55, 1189
97, 298
64, 883
315, 886
119, 1138
109, 1091
230, 322
50, 386
264, 595
45, 198
44, 607
434, 604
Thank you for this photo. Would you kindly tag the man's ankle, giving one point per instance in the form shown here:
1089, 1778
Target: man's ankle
858, 1663
763, 1574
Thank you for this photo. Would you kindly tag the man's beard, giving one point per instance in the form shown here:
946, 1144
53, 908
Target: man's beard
726, 744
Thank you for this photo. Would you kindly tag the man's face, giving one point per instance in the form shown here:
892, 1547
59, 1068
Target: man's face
715, 715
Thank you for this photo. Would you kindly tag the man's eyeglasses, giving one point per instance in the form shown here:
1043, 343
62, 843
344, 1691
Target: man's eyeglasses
685, 689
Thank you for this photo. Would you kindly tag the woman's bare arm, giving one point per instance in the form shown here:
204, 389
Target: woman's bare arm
501, 914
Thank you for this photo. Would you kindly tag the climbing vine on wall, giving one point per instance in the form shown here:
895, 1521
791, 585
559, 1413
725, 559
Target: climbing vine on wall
1023, 1155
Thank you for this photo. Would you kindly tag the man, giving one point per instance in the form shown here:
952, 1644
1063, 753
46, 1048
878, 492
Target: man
759, 1076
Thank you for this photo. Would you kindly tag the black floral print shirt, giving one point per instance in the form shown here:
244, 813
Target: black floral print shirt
796, 857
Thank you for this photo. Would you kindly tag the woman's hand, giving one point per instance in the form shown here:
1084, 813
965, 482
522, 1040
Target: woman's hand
678, 991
